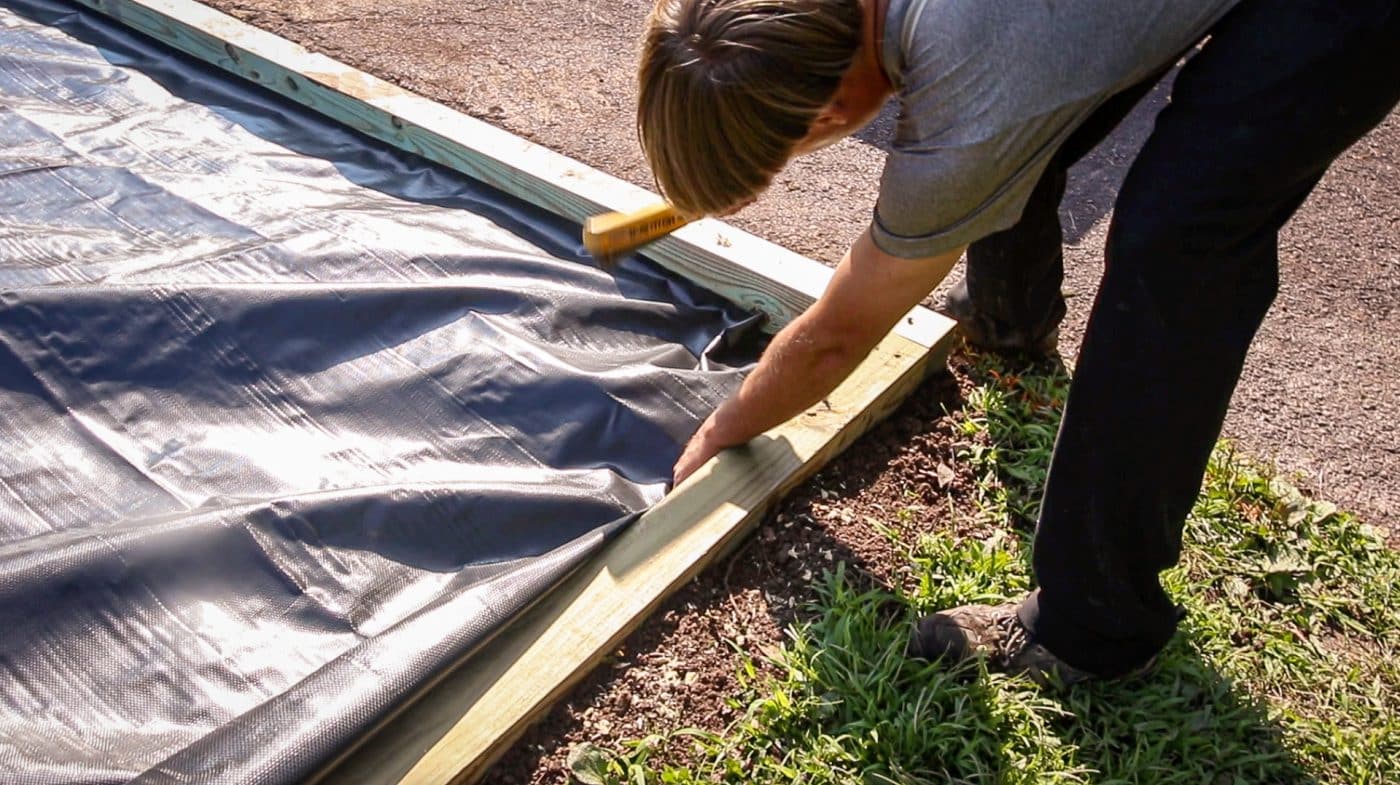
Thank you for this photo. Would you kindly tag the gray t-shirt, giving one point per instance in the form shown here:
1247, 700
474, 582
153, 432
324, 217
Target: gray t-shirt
989, 90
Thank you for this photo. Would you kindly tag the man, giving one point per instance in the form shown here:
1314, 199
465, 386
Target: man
998, 98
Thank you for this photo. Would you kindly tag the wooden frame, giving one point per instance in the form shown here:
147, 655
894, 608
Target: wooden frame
460, 725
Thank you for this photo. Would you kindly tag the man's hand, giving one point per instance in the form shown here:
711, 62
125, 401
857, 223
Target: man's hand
702, 447
868, 294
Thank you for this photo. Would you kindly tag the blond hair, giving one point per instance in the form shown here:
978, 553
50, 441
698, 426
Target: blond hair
728, 87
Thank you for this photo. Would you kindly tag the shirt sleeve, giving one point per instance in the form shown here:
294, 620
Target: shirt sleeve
933, 201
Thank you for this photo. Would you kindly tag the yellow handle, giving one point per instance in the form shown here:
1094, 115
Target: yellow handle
611, 235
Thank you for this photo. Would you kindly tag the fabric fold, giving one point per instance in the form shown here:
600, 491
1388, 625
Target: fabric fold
291, 421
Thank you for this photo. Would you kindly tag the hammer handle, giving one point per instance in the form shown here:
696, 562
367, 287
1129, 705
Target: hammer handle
611, 235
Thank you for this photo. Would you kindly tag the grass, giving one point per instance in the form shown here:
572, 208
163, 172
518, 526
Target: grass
1284, 672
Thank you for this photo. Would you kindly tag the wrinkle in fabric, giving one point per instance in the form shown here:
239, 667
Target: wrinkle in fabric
290, 421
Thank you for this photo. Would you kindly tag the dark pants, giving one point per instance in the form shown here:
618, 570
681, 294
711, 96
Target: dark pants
1278, 92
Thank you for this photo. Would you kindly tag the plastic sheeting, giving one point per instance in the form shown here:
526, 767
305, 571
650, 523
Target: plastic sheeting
290, 421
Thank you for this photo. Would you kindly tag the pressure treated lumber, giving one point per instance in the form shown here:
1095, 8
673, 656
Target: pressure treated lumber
464, 723
734, 264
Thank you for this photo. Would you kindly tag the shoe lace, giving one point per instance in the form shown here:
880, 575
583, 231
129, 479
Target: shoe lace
1012, 639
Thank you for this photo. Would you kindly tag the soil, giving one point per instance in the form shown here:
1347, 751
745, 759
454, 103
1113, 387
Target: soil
1320, 395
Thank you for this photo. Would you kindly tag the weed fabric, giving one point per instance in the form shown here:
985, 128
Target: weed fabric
291, 420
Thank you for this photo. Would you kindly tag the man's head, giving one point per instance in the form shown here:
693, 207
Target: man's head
728, 89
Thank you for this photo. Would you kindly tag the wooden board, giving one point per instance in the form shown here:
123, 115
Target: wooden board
463, 723
738, 266
467, 721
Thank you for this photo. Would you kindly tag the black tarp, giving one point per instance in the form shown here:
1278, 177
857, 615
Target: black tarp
289, 420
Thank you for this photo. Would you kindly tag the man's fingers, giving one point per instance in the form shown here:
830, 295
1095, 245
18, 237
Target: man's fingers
685, 467
697, 451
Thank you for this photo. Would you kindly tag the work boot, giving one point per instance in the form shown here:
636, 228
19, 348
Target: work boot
984, 332
995, 633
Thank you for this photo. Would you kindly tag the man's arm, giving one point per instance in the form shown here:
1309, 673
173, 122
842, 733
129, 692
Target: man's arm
869, 293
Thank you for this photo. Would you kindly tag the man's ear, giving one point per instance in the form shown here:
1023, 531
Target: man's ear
832, 117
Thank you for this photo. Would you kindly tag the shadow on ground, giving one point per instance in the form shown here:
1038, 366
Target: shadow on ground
1186, 722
